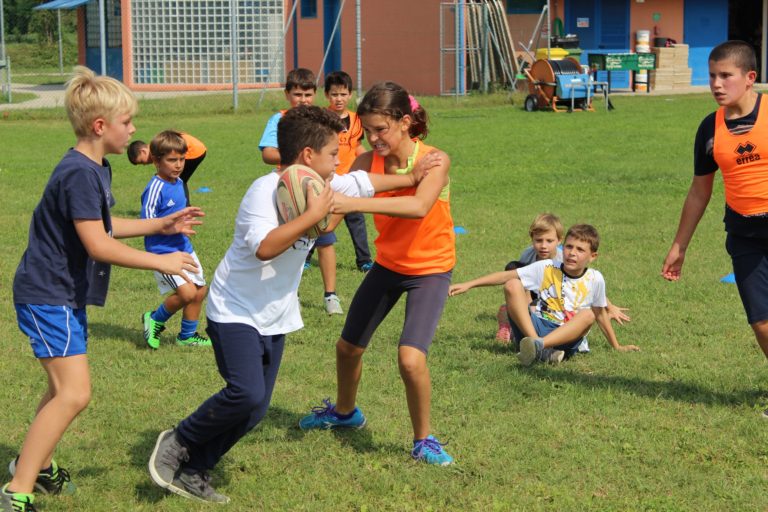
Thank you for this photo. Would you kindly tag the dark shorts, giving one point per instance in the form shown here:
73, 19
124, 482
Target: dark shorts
326, 239
379, 292
750, 267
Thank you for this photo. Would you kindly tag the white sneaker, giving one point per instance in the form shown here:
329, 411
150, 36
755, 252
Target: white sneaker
333, 305
556, 357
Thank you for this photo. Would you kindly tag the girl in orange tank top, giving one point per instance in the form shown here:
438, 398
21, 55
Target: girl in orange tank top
415, 256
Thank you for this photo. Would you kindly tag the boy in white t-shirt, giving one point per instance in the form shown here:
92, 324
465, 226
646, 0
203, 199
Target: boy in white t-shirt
571, 297
253, 302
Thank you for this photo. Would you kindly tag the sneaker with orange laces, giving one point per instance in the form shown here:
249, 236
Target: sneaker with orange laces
504, 332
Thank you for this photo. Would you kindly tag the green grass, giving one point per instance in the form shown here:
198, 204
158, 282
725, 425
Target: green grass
34, 57
17, 97
673, 427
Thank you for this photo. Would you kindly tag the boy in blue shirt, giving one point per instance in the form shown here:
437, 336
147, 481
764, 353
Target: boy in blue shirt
300, 89
163, 196
72, 242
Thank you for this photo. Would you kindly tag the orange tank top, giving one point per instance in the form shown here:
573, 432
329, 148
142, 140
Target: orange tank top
349, 141
739, 157
195, 147
415, 246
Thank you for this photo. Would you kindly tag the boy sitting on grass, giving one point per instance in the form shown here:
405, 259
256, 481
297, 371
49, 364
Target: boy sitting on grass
571, 297
546, 234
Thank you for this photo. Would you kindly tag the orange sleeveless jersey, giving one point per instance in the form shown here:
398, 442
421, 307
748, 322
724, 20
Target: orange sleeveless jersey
415, 246
349, 141
195, 147
745, 171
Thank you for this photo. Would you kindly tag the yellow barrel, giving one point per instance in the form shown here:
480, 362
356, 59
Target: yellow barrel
554, 54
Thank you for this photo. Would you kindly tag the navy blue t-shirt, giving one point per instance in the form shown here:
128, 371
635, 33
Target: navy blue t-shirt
55, 269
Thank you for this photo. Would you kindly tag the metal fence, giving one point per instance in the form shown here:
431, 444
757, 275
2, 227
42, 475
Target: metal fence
188, 46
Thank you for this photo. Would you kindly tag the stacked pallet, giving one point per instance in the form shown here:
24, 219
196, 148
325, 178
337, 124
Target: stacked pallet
672, 71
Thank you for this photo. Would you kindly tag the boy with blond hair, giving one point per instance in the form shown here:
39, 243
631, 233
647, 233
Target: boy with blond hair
72, 242
731, 139
570, 298
300, 89
164, 195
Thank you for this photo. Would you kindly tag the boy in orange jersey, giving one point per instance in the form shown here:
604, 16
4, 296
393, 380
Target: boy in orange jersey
730, 139
338, 92
139, 154
300, 90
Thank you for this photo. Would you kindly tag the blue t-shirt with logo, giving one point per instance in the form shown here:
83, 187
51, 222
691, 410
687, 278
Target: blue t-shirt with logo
55, 268
161, 198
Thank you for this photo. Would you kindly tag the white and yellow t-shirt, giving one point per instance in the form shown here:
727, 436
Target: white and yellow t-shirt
562, 296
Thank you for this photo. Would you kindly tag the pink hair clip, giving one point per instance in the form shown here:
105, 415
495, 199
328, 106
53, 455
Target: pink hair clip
414, 104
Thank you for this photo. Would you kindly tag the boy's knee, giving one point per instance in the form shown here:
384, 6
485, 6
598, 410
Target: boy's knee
187, 293
245, 400
76, 400
761, 329
202, 291
513, 289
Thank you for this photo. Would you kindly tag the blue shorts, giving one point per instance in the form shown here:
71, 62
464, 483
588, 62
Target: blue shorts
750, 267
544, 327
54, 331
326, 239
379, 292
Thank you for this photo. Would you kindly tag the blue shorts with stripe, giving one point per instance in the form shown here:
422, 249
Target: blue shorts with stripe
54, 331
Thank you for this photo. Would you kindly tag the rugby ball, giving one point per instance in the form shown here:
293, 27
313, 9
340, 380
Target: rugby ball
292, 187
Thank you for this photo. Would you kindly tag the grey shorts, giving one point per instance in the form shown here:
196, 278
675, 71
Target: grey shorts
378, 294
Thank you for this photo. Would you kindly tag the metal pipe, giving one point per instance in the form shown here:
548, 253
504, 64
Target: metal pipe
359, 41
486, 43
233, 49
330, 41
764, 42
2, 33
549, 30
61, 51
103, 36
274, 61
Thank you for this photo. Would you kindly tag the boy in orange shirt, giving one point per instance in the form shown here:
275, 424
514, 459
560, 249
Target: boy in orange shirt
730, 139
338, 92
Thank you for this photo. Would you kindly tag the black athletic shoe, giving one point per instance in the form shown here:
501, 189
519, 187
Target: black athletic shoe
55, 481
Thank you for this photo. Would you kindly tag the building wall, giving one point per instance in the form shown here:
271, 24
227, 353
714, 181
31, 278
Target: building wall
402, 49
670, 24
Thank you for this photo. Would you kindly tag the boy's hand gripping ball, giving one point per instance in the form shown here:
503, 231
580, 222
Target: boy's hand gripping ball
292, 187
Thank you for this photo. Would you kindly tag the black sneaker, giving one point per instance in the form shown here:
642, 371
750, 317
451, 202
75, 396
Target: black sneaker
196, 486
16, 501
54, 481
166, 458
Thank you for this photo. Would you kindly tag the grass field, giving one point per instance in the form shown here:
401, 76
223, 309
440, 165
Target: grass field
674, 427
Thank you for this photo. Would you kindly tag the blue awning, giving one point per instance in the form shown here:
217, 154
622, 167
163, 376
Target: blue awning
62, 4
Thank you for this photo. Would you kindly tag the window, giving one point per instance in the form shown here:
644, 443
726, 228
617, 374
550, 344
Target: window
525, 6
309, 8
